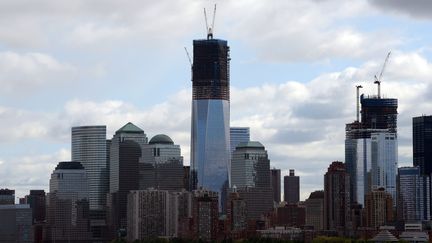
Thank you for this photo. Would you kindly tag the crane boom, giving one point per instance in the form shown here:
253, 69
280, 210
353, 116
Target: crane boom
187, 53
214, 16
384, 66
205, 17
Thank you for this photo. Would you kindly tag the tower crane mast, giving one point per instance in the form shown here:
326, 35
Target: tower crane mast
378, 79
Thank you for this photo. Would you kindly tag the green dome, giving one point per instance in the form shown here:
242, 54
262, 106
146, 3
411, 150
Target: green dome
161, 139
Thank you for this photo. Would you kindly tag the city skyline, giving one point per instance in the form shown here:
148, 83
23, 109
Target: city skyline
295, 101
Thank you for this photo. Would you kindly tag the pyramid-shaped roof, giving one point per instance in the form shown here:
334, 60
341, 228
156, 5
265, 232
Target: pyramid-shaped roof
130, 128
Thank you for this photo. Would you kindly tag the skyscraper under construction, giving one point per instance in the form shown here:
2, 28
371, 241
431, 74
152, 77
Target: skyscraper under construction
371, 147
210, 135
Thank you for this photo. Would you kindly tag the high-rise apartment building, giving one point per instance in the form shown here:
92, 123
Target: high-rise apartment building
7, 196
314, 207
68, 205
422, 143
161, 165
148, 214
210, 136
291, 187
414, 196
125, 153
250, 166
238, 135
236, 213
337, 198
379, 208
205, 214
276, 184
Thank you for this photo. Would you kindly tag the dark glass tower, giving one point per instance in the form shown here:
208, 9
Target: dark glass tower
292, 188
422, 143
210, 136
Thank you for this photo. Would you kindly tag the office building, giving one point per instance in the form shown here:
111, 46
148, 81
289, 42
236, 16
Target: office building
125, 153
422, 143
291, 187
259, 201
384, 162
413, 195
379, 208
15, 223
89, 148
7, 196
250, 166
276, 184
186, 178
210, 136
37, 201
314, 210
161, 165
337, 198
238, 135
68, 206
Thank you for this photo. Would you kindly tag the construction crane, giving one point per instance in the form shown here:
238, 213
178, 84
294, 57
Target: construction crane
211, 28
189, 57
378, 79
358, 87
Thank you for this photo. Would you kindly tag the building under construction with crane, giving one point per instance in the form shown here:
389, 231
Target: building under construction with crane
210, 135
371, 144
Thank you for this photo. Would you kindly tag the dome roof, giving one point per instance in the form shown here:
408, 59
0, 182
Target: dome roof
161, 139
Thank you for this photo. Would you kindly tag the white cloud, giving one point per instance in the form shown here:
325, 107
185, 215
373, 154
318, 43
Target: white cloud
21, 73
30, 171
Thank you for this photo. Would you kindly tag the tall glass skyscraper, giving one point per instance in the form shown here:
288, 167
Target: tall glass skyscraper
89, 148
210, 136
422, 143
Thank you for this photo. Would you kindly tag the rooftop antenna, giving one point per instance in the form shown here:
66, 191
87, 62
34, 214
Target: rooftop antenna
378, 79
210, 29
358, 100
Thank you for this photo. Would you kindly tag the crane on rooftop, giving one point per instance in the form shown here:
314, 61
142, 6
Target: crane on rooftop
378, 79
210, 29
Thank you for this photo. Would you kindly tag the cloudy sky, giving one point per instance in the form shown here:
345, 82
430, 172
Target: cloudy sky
293, 71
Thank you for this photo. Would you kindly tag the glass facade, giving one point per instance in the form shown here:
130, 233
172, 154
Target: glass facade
210, 144
89, 148
384, 162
